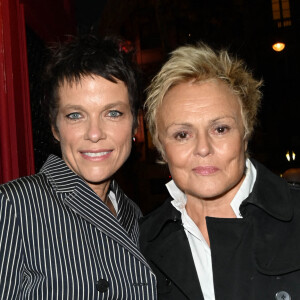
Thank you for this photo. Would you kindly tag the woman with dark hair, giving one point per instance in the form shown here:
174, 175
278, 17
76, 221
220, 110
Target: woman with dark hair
69, 232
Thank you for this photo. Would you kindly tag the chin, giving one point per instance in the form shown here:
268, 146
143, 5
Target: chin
207, 194
94, 178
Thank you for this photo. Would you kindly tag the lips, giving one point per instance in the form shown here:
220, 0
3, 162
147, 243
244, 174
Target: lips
207, 170
95, 155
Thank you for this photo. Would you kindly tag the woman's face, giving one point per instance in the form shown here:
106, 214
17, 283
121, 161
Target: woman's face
201, 131
94, 127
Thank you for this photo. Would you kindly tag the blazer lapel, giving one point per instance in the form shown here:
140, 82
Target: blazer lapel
77, 195
87, 204
174, 258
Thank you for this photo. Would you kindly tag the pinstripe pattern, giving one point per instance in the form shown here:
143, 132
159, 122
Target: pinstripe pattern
57, 239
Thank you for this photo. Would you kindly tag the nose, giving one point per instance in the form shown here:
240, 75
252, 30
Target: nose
203, 145
95, 130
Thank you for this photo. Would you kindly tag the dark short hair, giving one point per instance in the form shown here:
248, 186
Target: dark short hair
89, 55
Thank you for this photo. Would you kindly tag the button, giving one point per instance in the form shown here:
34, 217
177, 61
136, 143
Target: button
168, 282
282, 295
102, 285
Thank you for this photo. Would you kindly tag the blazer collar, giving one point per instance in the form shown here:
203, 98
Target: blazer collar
270, 193
61, 177
78, 196
164, 214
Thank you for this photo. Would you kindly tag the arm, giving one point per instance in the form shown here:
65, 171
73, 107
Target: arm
10, 251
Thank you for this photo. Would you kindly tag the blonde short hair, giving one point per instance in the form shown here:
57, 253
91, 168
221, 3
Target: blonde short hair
200, 63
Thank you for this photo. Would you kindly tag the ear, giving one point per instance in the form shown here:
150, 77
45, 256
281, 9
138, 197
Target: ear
55, 133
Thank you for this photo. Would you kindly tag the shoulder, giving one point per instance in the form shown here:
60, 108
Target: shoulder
268, 180
134, 207
273, 194
161, 218
21, 187
157, 214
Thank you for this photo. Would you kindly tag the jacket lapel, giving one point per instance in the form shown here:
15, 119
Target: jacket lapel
275, 223
87, 204
174, 258
167, 247
81, 199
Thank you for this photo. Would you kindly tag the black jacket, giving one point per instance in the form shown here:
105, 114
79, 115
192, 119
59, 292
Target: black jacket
253, 258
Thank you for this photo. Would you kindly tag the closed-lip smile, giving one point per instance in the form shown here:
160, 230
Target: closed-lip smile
206, 170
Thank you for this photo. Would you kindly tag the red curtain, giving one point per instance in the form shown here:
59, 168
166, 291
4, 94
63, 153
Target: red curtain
16, 146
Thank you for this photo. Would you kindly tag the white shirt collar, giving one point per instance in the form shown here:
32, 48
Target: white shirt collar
179, 198
113, 199
245, 189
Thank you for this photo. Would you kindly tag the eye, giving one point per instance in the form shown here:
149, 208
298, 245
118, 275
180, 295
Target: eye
74, 116
181, 135
114, 114
222, 129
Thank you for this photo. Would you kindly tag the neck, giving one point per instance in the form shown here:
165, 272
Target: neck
101, 189
219, 207
199, 209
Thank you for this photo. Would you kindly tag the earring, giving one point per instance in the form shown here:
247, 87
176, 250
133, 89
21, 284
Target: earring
133, 138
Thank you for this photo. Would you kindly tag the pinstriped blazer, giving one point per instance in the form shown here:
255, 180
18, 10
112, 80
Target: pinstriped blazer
58, 240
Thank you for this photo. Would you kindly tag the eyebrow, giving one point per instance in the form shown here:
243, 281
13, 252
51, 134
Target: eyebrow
70, 106
108, 106
223, 117
179, 124
117, 103
211, 122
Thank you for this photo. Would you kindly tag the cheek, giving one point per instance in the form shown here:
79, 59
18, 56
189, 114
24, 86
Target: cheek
234, 158
176, 156
123, 138
124, 150
69, 138
232, 148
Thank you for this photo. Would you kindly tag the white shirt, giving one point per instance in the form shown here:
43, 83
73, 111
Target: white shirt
200, 249
113, 200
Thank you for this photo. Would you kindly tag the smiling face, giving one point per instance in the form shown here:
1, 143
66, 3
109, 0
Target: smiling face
201, 131
94, 127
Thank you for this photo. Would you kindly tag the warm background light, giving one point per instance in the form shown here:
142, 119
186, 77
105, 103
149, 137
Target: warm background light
288, 157
278, 47
291, 156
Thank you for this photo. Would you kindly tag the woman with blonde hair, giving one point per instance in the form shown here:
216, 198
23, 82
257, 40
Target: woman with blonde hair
230, 229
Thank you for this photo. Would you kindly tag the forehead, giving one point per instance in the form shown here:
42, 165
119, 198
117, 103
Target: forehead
211, 98
92, 86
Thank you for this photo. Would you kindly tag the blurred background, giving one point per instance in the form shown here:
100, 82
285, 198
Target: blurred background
152, 29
